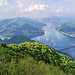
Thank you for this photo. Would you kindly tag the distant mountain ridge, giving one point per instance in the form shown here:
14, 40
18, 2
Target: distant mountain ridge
16, 39
67, 28
21, 26
52, 19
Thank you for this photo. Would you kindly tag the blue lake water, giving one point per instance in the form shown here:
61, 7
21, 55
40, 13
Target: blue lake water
57, 40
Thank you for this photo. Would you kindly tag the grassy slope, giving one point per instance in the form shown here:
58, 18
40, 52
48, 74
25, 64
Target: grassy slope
33, 58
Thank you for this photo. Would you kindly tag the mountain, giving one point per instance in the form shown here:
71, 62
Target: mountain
52, 19
16, 39
21, 26
34, 58
67, 28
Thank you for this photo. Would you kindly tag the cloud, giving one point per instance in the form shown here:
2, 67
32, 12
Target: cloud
3, 3
58, 9
29, 6
36, 7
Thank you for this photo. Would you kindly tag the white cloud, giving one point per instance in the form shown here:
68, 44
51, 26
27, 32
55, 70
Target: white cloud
3, 3
59, 9
36, 7
28, 5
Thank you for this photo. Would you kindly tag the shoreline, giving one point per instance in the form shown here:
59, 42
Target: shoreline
67, 34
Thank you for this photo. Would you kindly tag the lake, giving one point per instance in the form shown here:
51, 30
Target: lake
57, 40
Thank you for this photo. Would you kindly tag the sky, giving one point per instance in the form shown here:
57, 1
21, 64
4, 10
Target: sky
36, 8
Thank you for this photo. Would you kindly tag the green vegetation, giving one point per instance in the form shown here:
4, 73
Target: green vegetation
33, 58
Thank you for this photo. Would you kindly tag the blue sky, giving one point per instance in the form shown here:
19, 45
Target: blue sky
36, 8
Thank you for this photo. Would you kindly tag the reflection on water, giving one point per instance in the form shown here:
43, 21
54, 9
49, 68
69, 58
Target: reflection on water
55, 39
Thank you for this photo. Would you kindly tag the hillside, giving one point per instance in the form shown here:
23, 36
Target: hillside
16, 39
34, 58
21, 26
67, 28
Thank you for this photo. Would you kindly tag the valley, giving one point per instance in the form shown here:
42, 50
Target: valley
37, 37
16, 47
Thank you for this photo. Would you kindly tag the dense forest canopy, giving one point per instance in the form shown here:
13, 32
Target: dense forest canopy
33, 58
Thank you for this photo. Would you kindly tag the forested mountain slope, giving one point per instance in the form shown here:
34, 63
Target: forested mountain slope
34, 58
21, 26
16, 39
